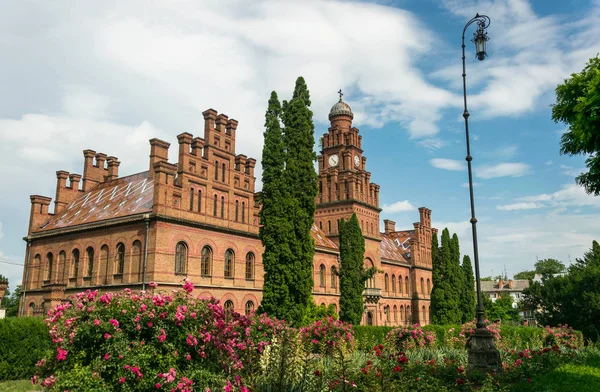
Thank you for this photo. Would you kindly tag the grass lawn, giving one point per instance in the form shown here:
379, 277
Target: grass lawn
567, 377
18, 386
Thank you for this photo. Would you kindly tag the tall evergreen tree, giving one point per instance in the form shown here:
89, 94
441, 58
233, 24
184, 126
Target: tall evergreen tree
445, 295
437, 292
300, 180
352, 273
468, 301
275, 229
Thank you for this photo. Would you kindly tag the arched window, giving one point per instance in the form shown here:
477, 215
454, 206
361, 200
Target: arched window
229, 262
408, 315
36, 276
120, 258
31, 308
394, 284
329, 226
180, 258
75, 259
228, 306
237, 205
387, 313
423, 316
250, 266
192, 199
215, 206
62, 264
249, 308
371, 281
49, 262
333, 277
402, 314
322, 275
400, 290
386, 283
422, 286
90, 261
243, 212
104, 262
223, 172
137, 260
199, 200
428, 286
406, 287
321, 225
395, 314
222, 206
216, 170
206, 261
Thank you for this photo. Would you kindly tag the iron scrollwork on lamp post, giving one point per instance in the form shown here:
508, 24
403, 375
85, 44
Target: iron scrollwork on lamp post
483, 356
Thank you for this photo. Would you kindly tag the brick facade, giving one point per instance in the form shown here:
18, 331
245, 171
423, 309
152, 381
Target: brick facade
198, 218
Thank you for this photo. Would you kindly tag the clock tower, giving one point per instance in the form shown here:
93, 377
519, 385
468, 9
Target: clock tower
345, 185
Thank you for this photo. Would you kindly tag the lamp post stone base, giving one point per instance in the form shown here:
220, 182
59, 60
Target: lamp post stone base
483, 356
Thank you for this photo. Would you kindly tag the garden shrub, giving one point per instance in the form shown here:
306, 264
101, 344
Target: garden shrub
410, 337
369, 336
323, 336
23, 341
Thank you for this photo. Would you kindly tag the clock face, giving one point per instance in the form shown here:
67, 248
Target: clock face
333, 160
356, 161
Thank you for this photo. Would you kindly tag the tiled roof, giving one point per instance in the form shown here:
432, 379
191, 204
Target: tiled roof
392, 245
125, 196
517, 285
112, 199
321, 239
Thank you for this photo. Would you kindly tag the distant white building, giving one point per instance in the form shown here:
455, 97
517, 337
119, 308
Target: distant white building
495, 289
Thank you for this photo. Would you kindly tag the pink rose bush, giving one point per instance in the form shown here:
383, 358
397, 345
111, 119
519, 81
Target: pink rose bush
410, 337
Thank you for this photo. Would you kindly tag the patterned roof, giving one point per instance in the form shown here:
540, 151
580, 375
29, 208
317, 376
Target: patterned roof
396, 246
125, 196
321, 239
112, 199
341, 108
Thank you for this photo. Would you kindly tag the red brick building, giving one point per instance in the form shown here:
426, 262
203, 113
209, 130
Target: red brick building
198, 218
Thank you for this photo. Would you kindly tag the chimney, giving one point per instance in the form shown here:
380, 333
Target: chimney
389, 226
159, 152
61, 185
500, 284
74, 182
185, 141
39, 211
100, 159
209, 122
425, 216
220, 122
113, 168
510, 284
231, 127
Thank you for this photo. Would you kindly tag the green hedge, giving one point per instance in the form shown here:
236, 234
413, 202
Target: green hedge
23, 341
512, 336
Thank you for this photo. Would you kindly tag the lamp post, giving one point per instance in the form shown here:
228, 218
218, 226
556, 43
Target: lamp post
482, 353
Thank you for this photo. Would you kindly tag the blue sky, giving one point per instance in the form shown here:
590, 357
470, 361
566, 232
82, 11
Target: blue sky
111, 75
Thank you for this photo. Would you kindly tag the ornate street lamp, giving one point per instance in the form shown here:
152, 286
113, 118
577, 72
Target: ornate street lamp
482, 353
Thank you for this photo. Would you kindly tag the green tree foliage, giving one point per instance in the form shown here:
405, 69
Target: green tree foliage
445, 296
300, 181
486, 279
573, 298
275, 229
468, 300
549, 267
10, 302
288, 199
524, 275
352, 273
501, 309
578, 106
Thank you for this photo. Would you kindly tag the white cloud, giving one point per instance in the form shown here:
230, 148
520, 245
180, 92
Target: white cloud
549, 163
447, 164
399, 206
466, 184
432, 143
571, 171
519, 206
503, 170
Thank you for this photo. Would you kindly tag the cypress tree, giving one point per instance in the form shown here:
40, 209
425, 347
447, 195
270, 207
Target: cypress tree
352, 273
457, 274
468, 301
445, 295
437, 292
275, 229
300, 180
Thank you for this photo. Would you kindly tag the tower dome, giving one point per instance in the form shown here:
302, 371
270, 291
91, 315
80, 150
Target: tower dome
341, 108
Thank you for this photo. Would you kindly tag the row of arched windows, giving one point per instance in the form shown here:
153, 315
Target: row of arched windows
403, 287
206, 261
400, 314
88, 265
323, 276
248, 307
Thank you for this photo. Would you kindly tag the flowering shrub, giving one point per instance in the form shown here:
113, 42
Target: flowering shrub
563, 335
458, 339
323, 336
410, 337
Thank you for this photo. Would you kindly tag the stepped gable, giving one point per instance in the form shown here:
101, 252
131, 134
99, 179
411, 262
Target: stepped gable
116, 198
396, 245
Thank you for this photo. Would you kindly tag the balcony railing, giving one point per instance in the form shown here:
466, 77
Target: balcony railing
372, 294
